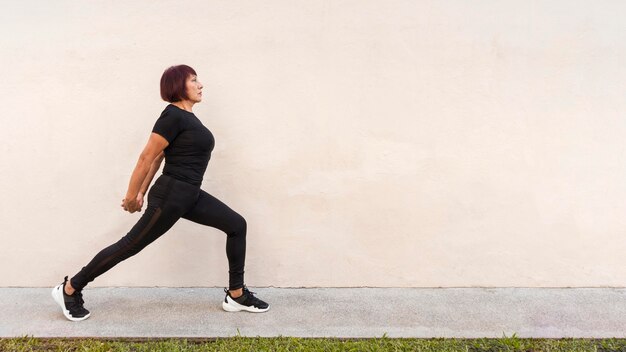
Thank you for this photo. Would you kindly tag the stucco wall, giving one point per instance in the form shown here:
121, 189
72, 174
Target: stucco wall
367, 143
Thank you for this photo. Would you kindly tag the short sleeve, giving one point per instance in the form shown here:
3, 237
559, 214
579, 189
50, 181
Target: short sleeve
168, 125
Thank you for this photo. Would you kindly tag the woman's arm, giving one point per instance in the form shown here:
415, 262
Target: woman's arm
155, 146
156, 164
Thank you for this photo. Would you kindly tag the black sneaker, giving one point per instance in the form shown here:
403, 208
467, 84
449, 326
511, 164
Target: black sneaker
246, 302
72, 306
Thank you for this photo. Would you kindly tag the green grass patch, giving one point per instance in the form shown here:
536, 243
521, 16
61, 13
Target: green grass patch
384, 343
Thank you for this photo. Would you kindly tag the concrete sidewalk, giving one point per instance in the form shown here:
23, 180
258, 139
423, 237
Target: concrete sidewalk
324, 312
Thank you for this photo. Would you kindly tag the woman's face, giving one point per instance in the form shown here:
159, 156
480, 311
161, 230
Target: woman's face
194, 89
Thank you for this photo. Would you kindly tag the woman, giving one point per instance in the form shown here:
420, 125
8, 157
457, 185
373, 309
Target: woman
180, 138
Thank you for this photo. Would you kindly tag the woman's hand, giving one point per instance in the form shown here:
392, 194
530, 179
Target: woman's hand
133, 205
140, 200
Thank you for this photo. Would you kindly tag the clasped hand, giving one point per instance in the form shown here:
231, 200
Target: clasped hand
133, 205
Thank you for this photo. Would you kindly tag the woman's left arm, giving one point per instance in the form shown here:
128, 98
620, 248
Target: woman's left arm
156, 164
155, 146
143, 190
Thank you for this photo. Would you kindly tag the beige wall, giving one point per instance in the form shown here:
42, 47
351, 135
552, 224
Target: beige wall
367, 143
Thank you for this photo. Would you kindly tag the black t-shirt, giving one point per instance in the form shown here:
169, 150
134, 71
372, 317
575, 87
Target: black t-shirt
190, 144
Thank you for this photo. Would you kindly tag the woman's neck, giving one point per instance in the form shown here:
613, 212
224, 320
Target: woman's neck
184, 104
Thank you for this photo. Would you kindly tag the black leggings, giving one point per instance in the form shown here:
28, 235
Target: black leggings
170, 199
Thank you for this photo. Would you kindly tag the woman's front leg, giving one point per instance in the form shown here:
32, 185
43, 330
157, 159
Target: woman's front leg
210, 211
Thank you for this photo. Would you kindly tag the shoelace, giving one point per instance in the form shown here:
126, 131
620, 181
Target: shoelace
246, 293
78, 299
245, 289
251, 297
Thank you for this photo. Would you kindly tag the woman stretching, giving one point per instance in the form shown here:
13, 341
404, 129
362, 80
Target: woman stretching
179, 137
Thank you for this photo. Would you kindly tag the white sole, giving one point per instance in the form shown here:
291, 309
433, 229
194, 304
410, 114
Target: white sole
57, 294
233, 306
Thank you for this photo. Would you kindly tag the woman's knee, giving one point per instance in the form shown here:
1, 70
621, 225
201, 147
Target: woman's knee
239, 226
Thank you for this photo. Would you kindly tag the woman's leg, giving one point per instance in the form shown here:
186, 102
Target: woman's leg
150, 226
166, 203
210, 211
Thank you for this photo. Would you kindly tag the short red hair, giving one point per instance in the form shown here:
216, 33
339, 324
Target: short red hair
173, 83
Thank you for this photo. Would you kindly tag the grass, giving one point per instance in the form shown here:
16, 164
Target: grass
384, 343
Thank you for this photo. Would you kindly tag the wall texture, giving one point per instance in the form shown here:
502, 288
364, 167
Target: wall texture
367, 143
